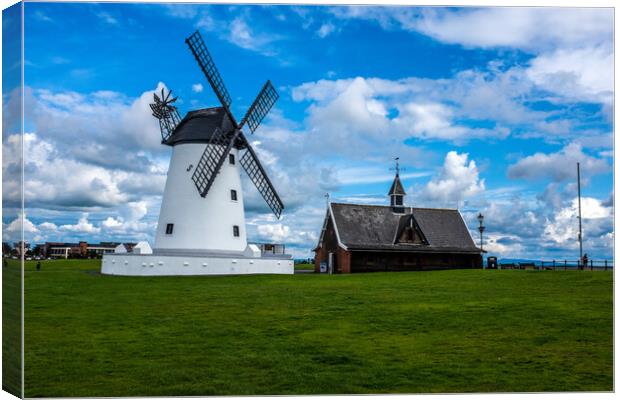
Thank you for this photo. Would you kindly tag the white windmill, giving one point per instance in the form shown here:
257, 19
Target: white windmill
201, 227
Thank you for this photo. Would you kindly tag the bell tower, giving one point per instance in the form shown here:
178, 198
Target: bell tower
397, 193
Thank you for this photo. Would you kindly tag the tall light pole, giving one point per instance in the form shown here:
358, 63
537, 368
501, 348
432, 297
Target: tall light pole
579, 203
481, 229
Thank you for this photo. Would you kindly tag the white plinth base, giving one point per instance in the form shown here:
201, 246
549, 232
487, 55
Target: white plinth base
167, 265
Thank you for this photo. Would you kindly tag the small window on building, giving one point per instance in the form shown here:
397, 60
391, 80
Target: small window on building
233, 194
169, 228
231, 159
399, 200
236, 231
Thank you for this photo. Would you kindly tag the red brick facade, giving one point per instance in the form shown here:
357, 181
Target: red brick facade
318, 257
344, 261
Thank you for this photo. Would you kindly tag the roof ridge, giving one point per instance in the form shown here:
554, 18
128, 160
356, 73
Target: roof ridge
389, 206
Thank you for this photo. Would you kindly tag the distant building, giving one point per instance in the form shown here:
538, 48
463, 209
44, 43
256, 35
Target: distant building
38, 249
267, 249
20, 247
365, 238
6, 249
80, 249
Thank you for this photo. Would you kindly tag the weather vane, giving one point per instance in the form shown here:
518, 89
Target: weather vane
397, 167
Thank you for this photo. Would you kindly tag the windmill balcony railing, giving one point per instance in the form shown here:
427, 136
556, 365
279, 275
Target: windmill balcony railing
271, 249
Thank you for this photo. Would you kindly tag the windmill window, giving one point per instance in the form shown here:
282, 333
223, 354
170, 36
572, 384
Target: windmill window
169, 228
231, 159
236, 231
233, 194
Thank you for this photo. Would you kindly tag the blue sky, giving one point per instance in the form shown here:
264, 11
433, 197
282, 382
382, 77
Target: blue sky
489, 110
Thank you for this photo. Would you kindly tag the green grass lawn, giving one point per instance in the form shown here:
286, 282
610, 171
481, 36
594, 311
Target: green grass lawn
11, 328
410, 332
304, 267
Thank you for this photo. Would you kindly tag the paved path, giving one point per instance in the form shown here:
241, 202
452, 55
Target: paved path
304, 271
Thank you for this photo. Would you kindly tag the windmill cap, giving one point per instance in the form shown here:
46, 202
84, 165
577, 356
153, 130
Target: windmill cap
199, 125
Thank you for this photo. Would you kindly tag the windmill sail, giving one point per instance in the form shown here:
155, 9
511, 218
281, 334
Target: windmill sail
258, 176
199, 49
221, 143
212, 158
261, 106
166, 113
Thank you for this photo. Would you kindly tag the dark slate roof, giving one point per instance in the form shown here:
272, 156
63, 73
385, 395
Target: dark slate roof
367, 227
199, 125
397, 187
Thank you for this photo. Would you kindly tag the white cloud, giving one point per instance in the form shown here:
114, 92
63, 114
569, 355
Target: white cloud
19, 223
94, 150
107, 18
58, 182
326, 29
373, 109
434, 120
242, 35
112, 223
276, 233
41, 16
457, 180
281, 233
563, 228
197, 87
235, 30
372, 174
558, 166
528, 28
503, 245
134, 211
82, 226
48, 226
107, 120
584, 74
572, 47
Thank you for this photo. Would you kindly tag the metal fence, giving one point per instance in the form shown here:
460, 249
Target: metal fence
560, 265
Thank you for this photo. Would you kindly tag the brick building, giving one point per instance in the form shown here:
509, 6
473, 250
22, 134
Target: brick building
80, 249
366, 238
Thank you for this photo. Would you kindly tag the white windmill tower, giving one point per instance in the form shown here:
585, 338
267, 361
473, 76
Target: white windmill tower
201, 228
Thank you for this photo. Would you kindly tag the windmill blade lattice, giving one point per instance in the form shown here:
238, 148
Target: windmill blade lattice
212, 158
199, 49
254, 169
261, 106
166, 113
221, 143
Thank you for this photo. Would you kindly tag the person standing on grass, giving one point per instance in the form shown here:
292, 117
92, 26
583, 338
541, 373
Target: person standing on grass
39, 266
584, 261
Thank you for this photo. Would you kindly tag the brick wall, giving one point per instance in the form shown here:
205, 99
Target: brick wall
318, 257
344, 261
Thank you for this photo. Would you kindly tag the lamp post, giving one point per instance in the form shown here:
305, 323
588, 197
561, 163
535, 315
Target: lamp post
580, 237
481, 229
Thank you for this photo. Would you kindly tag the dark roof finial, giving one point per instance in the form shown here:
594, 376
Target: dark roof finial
397, 186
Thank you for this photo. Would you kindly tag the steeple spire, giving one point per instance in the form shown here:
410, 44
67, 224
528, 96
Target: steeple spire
397, 192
